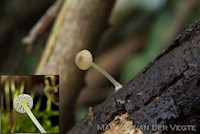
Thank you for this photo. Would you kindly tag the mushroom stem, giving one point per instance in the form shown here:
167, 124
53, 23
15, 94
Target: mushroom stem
30, 114
108, 76
84, 61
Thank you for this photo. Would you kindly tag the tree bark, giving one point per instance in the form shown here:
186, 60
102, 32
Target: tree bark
166, 92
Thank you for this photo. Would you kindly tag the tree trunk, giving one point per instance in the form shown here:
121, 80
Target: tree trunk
80, 26
166, 92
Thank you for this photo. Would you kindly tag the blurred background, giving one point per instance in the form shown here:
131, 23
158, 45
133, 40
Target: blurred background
138, 30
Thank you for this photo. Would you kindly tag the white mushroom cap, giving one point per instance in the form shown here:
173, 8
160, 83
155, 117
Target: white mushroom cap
17, 103
84, 59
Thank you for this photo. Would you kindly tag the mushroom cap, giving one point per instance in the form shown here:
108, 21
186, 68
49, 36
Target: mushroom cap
84, 59
17, 103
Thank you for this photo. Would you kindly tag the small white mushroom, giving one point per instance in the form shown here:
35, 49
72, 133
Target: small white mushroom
84, 61
22, 104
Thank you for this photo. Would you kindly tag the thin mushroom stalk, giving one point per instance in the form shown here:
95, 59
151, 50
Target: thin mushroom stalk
84, 61
22, 104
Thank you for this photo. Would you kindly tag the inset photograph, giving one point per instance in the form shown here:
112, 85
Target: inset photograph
29, 104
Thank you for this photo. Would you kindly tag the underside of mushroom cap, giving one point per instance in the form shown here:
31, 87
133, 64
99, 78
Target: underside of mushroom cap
17, 103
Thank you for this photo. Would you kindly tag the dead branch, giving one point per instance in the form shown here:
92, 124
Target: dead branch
166, 91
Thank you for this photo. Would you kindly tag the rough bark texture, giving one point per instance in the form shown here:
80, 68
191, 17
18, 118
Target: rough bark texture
83, 23
167, 91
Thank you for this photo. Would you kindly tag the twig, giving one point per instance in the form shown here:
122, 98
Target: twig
42, 24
